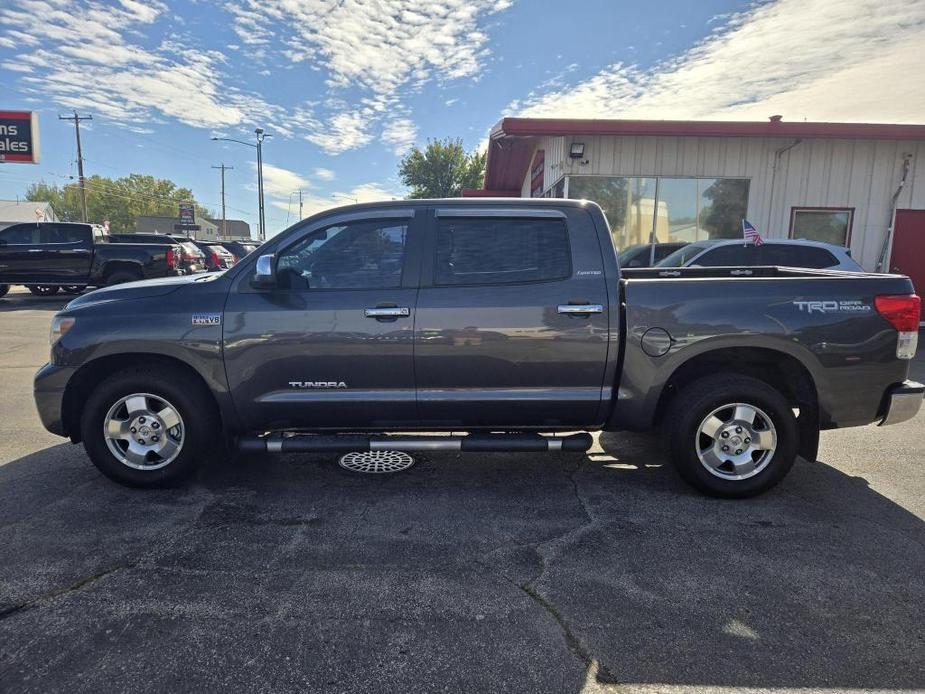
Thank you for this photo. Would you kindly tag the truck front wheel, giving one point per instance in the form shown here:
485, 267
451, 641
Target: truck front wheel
731, 436
4, 289
146, 427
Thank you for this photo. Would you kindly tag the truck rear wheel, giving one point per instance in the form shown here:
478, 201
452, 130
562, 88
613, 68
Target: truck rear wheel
43, 289
147, 427
121, 277
731, 436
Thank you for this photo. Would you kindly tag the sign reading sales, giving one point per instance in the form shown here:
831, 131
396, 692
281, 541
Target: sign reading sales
19, 136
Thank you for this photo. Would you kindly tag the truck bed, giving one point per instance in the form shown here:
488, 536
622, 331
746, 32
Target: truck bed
825, 319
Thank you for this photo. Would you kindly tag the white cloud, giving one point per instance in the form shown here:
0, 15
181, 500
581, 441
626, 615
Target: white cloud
279, 182
853, 60
312, 204
346, 130
324, 174
109, 71
381, 49
400, 133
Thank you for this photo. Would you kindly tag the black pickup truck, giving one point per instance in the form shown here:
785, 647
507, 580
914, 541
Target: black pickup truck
508, 320
48, 256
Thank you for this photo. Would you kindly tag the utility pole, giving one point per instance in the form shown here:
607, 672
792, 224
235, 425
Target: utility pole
300, 204
223, 168
75, 119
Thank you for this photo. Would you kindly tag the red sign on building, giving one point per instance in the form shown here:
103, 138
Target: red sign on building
19, 137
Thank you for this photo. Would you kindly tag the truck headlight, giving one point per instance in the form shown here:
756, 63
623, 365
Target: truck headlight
59, 328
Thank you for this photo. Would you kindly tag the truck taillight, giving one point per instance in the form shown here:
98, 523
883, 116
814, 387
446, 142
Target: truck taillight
171, 258
903, 312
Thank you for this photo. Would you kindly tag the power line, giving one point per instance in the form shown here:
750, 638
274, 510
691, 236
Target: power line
75, 119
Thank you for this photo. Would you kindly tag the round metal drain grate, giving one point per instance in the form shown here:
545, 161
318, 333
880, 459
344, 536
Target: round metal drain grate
376, 462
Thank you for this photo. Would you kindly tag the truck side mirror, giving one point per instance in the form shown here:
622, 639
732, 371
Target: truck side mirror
265, 274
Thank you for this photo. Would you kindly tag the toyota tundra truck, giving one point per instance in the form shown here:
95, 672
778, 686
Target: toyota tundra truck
507, 323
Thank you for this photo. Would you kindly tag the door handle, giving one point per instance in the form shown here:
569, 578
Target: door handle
580, 309
387, 312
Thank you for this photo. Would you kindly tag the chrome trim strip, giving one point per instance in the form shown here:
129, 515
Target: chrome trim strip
522, 212
434, 443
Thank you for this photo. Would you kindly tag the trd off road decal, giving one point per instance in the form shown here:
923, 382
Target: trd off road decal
832, 306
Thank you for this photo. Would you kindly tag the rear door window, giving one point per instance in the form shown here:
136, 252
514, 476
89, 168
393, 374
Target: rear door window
797, 256
64, 233
733, 254
501, 251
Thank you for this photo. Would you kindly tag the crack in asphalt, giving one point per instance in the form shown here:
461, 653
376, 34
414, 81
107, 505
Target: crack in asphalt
58, 592
529, 588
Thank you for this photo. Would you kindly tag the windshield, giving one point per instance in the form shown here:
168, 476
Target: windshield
681, 256
630, 254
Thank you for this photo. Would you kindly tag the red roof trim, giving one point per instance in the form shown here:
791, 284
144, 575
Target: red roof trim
536, 127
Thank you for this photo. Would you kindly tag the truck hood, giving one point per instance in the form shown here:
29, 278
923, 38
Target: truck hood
139, 290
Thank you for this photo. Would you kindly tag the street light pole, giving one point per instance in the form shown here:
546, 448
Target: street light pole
261, 136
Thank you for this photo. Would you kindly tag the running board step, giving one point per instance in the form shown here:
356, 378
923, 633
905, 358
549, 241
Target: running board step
485, 443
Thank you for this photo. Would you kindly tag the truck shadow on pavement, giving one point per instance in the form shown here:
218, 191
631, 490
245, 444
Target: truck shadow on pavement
27, 302
489, 573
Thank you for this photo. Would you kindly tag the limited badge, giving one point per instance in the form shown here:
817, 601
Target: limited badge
207, 319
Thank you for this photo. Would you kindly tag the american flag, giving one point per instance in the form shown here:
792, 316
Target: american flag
751, 233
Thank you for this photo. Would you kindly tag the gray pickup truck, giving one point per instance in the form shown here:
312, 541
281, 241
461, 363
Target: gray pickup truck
506, 322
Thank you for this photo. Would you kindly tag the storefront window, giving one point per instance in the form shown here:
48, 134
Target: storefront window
830, 226
675, 209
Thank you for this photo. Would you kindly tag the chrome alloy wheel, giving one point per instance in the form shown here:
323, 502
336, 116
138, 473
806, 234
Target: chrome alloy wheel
144, 431
736, 441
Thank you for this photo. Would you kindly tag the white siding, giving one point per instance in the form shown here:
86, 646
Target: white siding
861, 174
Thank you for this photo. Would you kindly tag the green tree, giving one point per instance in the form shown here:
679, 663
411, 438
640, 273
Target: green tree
442, 169
728, 202
120, 201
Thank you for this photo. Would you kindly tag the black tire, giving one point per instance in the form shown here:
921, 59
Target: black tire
121, 277
4, 290
202, 429
696, 402
43, 289
73, 289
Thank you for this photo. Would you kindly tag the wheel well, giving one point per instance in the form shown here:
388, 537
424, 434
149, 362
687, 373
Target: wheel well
113, 267
778, 369
81, 383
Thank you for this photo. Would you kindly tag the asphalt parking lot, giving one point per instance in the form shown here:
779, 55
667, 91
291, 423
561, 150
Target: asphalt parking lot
508, 573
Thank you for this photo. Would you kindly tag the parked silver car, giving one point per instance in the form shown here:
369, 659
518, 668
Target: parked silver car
787, 252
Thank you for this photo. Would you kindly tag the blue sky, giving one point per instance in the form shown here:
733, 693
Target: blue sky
346, 86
